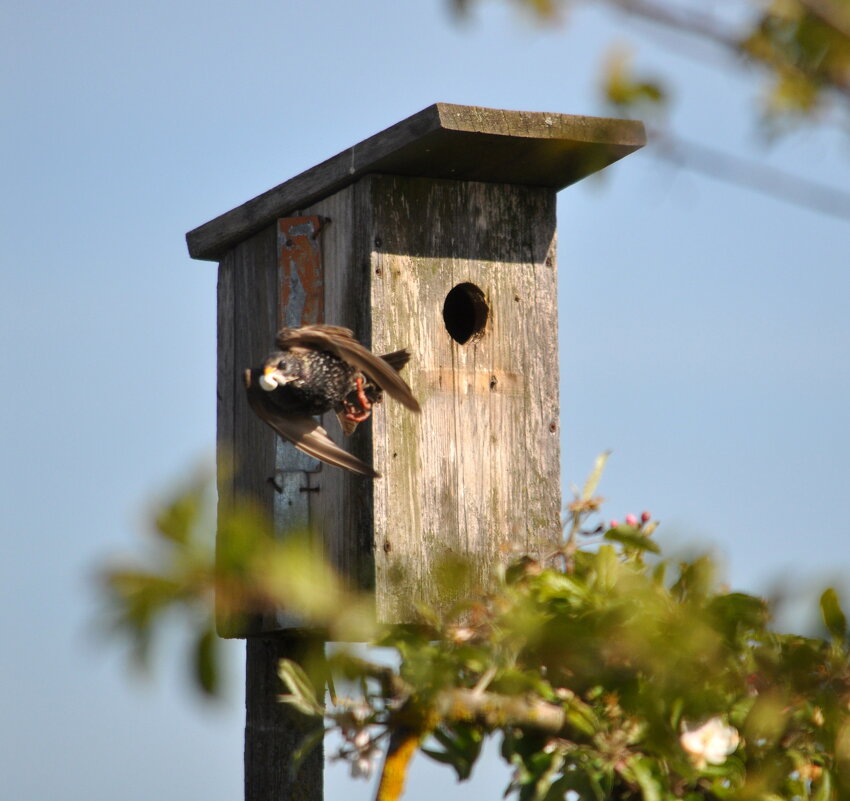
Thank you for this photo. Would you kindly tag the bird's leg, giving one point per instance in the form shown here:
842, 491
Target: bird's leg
351, 413
361, 394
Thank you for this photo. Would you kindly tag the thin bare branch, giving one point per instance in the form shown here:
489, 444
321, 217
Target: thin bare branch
496, 711
751, 175
694, 23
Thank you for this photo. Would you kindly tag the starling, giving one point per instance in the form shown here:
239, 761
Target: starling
318, 369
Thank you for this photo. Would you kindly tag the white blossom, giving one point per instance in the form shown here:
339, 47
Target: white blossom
461, 634
361, 739
360, 712
363, 766
710, 743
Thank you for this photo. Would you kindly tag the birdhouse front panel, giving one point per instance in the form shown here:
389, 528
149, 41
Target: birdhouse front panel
464, 274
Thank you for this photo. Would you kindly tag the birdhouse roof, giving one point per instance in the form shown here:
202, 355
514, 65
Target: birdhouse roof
449, 141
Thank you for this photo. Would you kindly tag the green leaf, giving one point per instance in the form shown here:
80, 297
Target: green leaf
833, 618
767, 719
595, 475
206, 662
695, 580
462, 747
607, 566
824, 791
632, 537
309, 742
536, 774
560, 585
735, 613
582, 783
581, 715
649, 784
175, 521
301, 693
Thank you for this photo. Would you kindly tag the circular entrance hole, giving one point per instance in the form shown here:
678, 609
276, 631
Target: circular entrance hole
465, 313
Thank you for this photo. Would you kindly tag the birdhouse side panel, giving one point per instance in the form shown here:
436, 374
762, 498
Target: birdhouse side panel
475, 479
340, 501
247, 313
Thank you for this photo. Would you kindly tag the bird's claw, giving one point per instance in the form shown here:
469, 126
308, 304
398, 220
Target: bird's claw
351, 412
355, 415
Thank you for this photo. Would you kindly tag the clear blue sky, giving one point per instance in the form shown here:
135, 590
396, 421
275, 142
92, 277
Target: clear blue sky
704, 329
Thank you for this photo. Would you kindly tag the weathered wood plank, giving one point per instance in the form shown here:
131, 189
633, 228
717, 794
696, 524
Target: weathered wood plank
275, 731
247, 318
441, 141
247, 315
225, 411
477, 476
225, 386
254, 325
341, 508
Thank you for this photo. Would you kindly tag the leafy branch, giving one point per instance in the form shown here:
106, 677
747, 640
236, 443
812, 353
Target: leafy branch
801, 46
606, 670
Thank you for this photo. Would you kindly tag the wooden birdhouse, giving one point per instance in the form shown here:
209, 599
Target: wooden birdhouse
437, 235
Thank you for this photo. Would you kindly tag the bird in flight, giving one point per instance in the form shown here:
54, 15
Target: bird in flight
322, 368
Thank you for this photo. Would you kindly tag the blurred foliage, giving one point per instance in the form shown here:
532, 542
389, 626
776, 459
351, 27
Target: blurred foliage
607, 672
805, 45
627, 94
801, 46
230, 580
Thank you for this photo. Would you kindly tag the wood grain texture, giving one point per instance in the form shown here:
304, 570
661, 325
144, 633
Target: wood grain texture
441, 141
248, 289
477, 476
301, 301
341, 510
247, 316
275, 731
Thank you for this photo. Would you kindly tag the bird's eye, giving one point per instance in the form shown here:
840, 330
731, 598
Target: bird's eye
282, 364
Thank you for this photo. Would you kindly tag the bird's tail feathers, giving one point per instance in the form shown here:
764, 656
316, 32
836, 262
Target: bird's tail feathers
397, 359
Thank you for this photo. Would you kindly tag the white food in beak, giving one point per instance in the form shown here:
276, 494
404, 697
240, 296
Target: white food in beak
268, 382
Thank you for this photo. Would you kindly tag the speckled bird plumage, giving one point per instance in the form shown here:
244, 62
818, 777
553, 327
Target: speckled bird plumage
322, 368
319, 380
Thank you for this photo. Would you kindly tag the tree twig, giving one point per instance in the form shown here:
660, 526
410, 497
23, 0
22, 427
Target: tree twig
706, 27
751, 175
495, 711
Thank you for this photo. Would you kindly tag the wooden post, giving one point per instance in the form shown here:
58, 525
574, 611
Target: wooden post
274, 731
438, 235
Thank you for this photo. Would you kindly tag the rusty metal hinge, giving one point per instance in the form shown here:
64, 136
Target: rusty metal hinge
301, 298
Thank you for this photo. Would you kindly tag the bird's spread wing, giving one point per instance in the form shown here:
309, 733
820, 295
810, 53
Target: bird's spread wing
302, 431
340, 341
397, 360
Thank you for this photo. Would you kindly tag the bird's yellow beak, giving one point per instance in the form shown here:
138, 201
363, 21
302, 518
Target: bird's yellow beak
268, 381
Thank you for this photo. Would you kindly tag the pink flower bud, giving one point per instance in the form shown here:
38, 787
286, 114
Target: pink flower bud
646, 517
631, 520
613, 524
